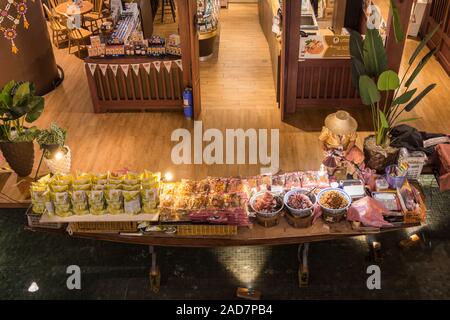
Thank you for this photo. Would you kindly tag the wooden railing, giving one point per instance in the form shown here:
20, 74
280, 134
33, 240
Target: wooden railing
323, 82
117, 91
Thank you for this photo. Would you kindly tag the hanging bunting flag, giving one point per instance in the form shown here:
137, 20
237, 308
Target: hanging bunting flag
125, 68
179, 64
92, 67
168, 65
135, 68
147, 67
157, 65
114, 68
103, 68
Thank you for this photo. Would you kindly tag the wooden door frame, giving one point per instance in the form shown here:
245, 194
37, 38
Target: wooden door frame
290, 46
189, 47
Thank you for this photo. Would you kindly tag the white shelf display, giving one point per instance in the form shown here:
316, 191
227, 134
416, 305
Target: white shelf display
207, 15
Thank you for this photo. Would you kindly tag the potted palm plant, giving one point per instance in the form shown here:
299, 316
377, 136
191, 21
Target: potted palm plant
19, 106
388, 94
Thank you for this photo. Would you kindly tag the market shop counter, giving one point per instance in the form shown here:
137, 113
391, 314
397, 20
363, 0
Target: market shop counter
281, 234
133, 83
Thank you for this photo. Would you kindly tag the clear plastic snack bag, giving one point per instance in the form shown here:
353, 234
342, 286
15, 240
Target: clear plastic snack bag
132, 202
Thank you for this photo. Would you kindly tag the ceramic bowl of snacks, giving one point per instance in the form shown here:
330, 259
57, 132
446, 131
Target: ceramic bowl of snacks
299, 203
334, 203
267, 204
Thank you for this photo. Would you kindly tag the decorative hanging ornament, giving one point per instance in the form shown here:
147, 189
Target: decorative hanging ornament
168, 65
10, 17
179, 64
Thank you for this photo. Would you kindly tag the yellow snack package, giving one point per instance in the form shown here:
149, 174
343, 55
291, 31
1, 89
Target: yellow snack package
132, 202
114, 201
80, 204
96, 200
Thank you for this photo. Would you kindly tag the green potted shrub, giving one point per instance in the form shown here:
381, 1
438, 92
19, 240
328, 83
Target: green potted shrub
388, 94
19, 106
56, 154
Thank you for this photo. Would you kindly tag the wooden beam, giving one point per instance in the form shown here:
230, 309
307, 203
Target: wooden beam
289, 55
395, 50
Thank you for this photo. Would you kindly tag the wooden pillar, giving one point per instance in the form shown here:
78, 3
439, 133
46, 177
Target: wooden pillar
289, 55
394, 49
34, 60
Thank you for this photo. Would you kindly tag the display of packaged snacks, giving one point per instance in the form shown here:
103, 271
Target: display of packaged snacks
187, 187
217, 185
80, 203
114, 201
215, 201
202, 186
167, 201
235, 185
40, 199
233, 200
131, 202
61, 201
149, 197
292, 180
311, 179
278, 180
96, 200
198, 201
181, 203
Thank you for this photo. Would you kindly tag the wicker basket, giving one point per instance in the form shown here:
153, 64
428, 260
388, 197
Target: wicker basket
33, 221
206, 230
102, 227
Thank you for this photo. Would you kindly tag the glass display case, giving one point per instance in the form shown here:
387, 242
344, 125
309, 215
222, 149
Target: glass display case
207, 26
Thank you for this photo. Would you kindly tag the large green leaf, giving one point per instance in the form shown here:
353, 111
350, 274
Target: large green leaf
422, 44
22, 94
419, 67
358, 70
398, 30
419, 97
8, 87
368, 90
405, 97
384, 122
388, 80
356, 45
375, 58
36, 107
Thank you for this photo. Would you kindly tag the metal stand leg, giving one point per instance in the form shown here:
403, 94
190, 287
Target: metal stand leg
303, 270
154, 274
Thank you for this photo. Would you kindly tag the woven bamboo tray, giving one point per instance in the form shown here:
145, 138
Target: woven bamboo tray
102, 227
206, 230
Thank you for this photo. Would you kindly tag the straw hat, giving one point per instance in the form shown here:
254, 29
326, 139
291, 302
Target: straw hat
341, 123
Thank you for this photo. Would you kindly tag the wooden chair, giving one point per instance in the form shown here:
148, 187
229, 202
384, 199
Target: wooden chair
98, 13
78, 36
165, 3
59, 30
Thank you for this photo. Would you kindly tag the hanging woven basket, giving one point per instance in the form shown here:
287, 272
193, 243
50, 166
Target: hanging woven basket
60, 164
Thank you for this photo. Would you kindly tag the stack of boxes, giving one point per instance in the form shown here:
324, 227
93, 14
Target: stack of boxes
97, 48
156, 46
173, 45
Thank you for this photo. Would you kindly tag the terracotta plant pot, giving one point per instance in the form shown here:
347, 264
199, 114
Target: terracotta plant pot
377, 157
19, 155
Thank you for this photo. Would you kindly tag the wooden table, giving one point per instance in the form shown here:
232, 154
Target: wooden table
68, 8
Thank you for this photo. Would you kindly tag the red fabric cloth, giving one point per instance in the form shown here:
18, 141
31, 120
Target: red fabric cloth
369, 212
443, 152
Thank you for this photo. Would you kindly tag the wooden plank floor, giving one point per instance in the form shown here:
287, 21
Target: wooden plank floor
237, 92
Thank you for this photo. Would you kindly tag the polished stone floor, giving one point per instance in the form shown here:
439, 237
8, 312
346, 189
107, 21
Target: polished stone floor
117, 271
